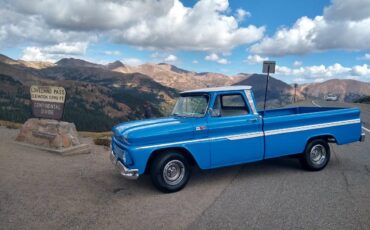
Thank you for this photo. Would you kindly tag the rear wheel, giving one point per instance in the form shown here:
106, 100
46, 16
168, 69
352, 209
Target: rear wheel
316, 155
170, 172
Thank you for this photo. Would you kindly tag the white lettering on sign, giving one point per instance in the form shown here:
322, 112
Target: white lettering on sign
48, 94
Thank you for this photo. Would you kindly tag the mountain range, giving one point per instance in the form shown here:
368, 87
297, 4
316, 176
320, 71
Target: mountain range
345, 89
99, 96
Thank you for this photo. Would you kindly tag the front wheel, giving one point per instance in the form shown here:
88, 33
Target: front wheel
170, 171
316, 155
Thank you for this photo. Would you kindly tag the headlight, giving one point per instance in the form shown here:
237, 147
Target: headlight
126, 158
122, 138
123, 155
125, 137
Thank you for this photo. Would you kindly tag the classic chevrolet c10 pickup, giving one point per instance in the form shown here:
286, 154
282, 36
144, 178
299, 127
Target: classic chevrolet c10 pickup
217, 127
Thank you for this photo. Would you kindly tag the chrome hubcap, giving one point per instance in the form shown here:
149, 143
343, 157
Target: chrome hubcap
318, 154
173, 172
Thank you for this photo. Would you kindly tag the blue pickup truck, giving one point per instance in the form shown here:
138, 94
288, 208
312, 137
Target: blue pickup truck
217, 127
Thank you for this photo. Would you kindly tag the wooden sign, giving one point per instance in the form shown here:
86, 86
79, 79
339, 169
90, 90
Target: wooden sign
47, 101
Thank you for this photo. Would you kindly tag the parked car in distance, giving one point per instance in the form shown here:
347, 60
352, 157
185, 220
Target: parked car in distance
218, 127
331, 97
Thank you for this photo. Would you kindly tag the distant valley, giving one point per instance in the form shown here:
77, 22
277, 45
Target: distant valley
100, 96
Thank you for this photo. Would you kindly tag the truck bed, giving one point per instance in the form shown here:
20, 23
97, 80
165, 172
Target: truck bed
296, 126
296, 110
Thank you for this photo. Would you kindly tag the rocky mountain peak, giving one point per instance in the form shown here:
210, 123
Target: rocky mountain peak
115, 65
73, 62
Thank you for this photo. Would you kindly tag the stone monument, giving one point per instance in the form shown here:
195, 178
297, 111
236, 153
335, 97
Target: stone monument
46, 131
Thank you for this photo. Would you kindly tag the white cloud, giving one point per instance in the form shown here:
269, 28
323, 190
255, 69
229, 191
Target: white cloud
214, 57
315, 71
132, 61
365, 57
17, 27
155, 55
344, 25
35, 54
54, 52
361, 70
296, 40
255, 59
76, 48
163, 57
113, 52
170, 58
322, 72
222, 61
166, 24
241, 14
195, 62
299, 80
318, 80
297, 63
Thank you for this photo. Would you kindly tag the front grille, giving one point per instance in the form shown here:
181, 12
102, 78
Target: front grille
121, 152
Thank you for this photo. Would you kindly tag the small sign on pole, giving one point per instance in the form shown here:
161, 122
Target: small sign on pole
268, 67
47, 101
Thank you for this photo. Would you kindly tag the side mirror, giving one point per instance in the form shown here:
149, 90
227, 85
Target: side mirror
214, 112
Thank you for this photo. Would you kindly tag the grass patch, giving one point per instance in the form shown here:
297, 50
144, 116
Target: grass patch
99, 138
103, 141
10, 124
365, 100
95, 134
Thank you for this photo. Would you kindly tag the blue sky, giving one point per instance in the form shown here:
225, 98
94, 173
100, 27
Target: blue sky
311, 41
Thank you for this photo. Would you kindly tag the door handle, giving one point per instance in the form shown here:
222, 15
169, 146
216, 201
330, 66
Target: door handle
253, 119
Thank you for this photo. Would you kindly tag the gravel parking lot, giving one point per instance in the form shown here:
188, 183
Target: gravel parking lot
41, 190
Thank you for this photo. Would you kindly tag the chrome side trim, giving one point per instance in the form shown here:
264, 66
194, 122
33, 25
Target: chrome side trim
131, 174
173, 143
152, 125
245, 136
310, 127
258, 134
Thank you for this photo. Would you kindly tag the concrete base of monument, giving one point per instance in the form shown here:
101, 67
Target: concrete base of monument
50, 135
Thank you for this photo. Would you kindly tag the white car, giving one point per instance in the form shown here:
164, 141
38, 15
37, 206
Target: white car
331, 98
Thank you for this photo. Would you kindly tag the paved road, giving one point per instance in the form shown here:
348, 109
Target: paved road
43, 190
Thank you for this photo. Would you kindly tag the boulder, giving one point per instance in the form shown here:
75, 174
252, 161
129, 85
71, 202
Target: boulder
51, 135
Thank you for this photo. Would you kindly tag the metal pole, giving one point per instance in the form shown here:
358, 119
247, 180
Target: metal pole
295, 91
267, 83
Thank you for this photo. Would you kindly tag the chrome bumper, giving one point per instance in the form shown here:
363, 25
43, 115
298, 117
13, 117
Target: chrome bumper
131, 174
362, 138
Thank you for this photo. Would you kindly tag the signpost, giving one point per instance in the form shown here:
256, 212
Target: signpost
268, 67
295, 91
47, 101
46, 131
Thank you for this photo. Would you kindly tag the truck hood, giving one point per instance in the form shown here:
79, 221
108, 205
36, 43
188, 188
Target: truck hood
155, 130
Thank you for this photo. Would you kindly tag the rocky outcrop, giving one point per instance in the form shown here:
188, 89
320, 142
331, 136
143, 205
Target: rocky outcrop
56, 136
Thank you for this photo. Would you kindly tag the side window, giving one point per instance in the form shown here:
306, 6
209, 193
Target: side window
230, 105
233, 101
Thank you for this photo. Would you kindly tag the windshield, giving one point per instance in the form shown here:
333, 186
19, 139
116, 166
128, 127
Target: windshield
191, 106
